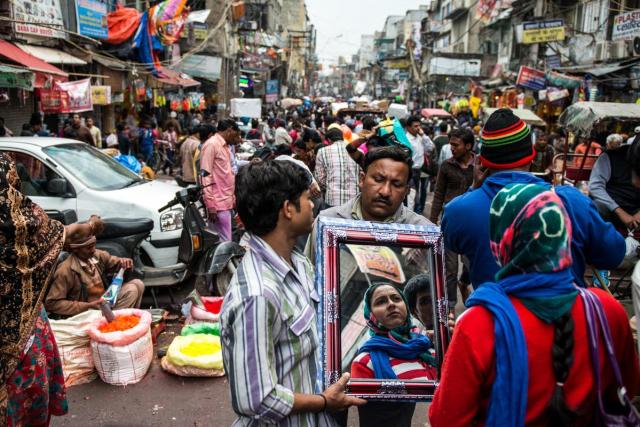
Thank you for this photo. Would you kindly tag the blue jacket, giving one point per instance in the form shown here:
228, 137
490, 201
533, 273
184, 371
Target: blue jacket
465, 226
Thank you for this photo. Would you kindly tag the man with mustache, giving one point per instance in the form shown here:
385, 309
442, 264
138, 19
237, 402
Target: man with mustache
384, 184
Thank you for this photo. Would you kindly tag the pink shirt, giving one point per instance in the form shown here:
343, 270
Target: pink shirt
216, 159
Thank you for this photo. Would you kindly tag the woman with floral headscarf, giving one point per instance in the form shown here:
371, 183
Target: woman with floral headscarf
520, 356
394, 351
31, 379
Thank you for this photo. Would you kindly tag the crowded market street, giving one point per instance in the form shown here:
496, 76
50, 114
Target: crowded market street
319, 213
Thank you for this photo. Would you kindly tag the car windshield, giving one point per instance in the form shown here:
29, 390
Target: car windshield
95, 169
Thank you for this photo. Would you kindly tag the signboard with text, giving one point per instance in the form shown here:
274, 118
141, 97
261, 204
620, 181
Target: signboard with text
626, 26
204, 66
543, 31
101, 95
272, 91
28, 14
531, 78
92, 18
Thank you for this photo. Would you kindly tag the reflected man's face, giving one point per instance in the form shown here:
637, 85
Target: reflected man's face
424, 309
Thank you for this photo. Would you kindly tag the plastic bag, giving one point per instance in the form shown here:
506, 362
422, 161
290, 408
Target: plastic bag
124, 337
189, 371
74, 346
201, 328
130, 162
198, 350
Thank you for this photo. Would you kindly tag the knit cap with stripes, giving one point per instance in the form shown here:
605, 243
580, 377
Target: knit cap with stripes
506, 141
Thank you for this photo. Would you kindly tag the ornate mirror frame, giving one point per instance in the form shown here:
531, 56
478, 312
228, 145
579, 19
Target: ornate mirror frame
331, 232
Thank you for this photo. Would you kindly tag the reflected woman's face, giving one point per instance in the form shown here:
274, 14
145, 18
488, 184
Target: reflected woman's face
388, 307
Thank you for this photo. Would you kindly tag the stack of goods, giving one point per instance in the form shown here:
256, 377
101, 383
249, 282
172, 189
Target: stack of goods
122, 349
197, 352
74, 346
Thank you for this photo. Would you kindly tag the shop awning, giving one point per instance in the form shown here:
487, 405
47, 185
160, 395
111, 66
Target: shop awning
51, 56
598, 71
174, 78
110, 63
41, 68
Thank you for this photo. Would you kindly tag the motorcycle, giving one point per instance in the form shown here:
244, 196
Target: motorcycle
210, 262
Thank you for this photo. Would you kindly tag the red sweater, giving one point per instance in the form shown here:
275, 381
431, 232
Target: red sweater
462, 398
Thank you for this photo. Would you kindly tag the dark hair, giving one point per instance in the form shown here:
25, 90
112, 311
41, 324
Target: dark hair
282, 149
261, 190
368, 123
562, 360
334, 135
311, 135
120, 127
280, 123
205, 130
299, 143
411, 120
418, 283
254, 123
444, 126
225, 124
36, 119
393, 152
464, 134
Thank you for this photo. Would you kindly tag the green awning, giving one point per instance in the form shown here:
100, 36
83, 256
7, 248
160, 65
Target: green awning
16, 77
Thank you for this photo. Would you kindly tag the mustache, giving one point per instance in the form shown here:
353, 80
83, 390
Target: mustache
382, 199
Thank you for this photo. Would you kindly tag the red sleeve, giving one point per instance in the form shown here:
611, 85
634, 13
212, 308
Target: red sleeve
623, 344
467, 364
359, 368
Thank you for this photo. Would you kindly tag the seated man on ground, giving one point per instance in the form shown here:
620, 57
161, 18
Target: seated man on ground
611, 188
80, 281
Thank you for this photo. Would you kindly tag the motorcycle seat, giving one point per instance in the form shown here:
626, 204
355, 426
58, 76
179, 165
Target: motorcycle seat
223, 254
120, 227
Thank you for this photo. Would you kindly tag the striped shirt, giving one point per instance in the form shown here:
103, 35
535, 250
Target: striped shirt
337, 174
362, 367
269, 338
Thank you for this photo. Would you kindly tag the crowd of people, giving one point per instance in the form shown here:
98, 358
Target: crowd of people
516, 250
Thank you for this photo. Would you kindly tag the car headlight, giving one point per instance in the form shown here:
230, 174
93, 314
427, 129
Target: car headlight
171, 220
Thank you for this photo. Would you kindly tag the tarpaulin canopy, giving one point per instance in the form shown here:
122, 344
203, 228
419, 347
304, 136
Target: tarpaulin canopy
51, 56
582, 117
527, 116
41, 68
434, 112
122, 23
174, 78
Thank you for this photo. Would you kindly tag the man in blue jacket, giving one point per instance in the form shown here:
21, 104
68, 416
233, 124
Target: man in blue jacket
506, 156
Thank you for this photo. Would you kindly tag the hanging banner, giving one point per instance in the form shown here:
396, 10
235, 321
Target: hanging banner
531, 78
92, 18
79, 92
16, 78
626, 26
101, 95
543, 31
28, 14
271, 91
205, 66
53, 101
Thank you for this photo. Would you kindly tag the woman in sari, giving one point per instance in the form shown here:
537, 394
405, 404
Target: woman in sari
394, 351
31, 379
520, 354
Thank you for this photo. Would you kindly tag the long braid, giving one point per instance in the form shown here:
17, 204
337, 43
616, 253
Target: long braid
562, 360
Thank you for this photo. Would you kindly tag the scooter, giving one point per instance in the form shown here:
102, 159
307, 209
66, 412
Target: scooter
208, 259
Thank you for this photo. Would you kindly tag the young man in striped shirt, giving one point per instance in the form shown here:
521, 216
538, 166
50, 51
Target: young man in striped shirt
269, 335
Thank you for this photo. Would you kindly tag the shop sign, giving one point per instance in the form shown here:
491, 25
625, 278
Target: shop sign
272, 91
92, 18
543, 31
556, 95
626, 26
204, 66
67, 97
29, 13
531, 78
454, 66
101, 95
397, 64
552, 61
15, 78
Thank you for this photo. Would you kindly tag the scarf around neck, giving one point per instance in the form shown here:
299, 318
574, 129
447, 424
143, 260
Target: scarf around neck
530, 238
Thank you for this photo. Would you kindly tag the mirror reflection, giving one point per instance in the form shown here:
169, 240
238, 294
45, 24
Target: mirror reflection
387, 317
